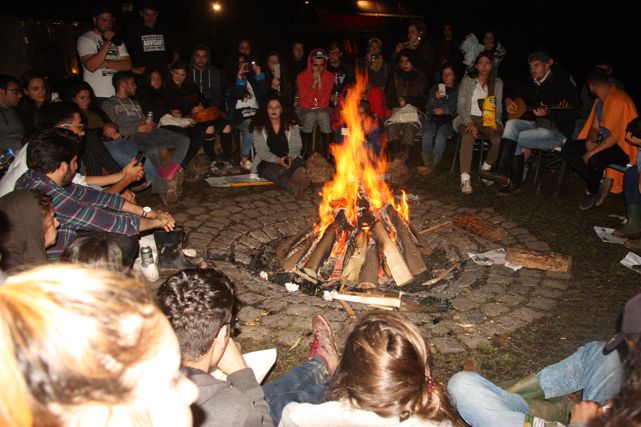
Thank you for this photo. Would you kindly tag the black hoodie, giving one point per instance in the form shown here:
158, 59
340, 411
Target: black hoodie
208, 80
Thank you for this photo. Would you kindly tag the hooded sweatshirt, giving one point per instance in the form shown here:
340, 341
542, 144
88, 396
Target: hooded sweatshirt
308, 93
11, 129
24, 243
208, 80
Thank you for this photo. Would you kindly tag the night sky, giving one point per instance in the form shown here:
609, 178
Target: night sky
576, 33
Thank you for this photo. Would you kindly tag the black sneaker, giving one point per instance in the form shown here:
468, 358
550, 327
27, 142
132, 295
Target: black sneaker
604, 190
587, 201
140, 186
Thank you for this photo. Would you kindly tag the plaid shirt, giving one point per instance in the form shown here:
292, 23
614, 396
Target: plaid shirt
80, 208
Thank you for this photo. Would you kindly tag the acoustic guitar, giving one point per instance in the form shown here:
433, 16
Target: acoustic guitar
522, 108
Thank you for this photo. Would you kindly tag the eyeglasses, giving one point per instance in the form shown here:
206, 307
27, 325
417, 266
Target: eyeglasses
70, 125
14, 90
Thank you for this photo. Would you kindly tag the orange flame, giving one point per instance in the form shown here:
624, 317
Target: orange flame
358, 169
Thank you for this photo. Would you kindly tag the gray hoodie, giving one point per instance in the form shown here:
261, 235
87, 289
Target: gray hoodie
237, 402
208, 80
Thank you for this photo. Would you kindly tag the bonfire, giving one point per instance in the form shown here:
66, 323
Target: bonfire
363, 237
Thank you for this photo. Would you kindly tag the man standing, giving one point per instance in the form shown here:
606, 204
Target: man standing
102, 54
11, 130
547, 120
52, 160
151, 46
314, 90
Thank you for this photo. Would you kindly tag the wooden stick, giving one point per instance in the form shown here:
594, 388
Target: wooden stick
548, 261
305, 276
400, 273
368, 276
434, 228
412, 255
366, 299
439, 277
289, 264
348, 309
289, 246
355, 262
321, 252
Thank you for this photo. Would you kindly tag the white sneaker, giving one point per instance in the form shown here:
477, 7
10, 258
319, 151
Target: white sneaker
466, 187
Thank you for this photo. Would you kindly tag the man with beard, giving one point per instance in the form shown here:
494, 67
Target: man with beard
52, 160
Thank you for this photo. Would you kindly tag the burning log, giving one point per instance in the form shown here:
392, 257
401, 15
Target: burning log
411, 252
479, 226
368, 277
550, 261
335, 258
400, 273
355, 261
320, 252
289, 263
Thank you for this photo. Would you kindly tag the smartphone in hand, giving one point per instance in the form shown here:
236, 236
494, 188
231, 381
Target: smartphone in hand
140, 158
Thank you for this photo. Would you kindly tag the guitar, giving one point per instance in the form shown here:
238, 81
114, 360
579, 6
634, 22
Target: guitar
522, 108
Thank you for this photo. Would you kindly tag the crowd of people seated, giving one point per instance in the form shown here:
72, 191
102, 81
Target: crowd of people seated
119, 355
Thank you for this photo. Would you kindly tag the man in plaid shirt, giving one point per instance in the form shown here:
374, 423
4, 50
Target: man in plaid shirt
51, 158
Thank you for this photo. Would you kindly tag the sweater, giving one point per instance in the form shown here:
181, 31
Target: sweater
237, 402
262, 149
343, 414
464, 101
126, 113
448, 103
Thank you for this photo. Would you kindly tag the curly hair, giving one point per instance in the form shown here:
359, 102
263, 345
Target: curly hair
386, 368
198, 303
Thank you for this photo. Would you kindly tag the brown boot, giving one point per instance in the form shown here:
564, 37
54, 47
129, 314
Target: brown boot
298, 182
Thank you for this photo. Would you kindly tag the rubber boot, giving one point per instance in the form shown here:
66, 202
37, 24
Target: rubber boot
555, 409
170, 171
501, 169
405, 153
306, 139
327, 140
170, 249
516, 182
632, 228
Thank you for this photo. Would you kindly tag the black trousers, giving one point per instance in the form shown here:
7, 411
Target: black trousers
278, 174
573, 153
95, 156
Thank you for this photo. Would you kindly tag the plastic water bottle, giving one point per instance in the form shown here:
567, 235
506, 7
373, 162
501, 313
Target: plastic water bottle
150, 117
148, 266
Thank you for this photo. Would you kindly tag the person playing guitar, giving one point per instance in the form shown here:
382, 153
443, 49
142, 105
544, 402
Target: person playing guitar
541, 116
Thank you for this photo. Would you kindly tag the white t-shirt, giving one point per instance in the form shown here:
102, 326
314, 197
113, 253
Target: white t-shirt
100, 80
479, 93
18, 167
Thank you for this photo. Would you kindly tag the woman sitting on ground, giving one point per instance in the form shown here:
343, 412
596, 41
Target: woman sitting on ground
277, 140
479, 92
32, 227
112, 358
439, 111
384, 378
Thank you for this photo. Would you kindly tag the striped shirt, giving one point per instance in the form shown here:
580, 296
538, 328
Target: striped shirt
80, 208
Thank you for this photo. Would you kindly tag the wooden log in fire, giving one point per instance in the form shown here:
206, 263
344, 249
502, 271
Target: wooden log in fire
368, 277
548, 261
400, 273
321, 252
411, 252
355, 262
479, 226
289, 263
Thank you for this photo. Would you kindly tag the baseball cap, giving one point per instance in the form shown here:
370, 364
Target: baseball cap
539, 55
631, 323
319, 53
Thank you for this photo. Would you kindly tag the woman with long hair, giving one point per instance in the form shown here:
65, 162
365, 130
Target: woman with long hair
276, 137
35, 94
439, 111
87, 347
279, 81
248, 88
385, 378
479, 108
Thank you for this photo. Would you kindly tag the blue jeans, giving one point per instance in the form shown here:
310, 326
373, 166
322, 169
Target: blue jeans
123, 150
151, 143
631, 186
305, 383
528, 135
246, 138
435, 144
482, 403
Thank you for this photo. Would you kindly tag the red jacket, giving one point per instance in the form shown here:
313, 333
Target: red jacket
307, 94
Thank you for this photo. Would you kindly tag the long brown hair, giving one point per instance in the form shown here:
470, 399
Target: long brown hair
69, 336
386, 368
491, 78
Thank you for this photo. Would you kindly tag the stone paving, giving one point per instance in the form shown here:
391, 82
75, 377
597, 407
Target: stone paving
232, 228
